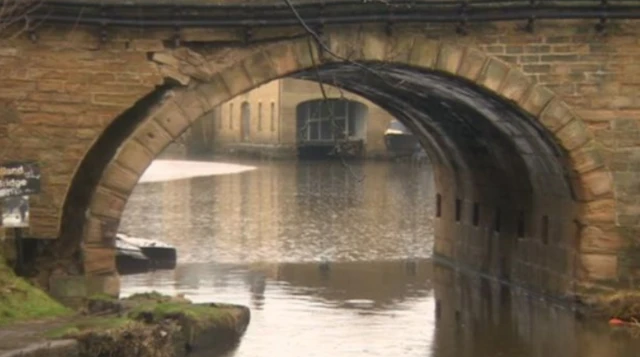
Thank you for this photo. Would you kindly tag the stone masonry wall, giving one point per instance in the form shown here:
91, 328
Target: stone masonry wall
62, 91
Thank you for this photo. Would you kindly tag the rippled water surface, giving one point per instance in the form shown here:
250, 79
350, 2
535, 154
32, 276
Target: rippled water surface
336, 262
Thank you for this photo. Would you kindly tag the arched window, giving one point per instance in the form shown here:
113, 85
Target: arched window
273, 116
245, 113
259, 116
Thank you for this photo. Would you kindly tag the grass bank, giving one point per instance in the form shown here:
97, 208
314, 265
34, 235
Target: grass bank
19, 300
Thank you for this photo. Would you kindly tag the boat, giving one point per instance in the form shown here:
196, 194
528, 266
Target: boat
130, 259
159, 254
400, 141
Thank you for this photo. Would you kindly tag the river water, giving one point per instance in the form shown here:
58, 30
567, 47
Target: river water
335, 261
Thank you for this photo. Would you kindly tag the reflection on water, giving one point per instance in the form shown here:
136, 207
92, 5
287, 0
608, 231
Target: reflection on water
287, 211
261, 238
298, 309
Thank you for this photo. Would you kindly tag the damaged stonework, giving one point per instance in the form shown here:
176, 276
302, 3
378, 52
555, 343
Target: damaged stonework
184, 64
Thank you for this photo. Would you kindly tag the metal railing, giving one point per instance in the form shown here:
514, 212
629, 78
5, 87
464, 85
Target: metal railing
183, 14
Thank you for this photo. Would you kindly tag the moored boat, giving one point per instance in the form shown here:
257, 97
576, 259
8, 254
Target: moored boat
130, 259
160, 255
399, 140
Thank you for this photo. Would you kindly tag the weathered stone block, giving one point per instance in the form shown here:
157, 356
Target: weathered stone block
134, 156
399, 49
172, 118
175, 74
587, 158
345, 43
425, 53
99, 261
283, 59
236, 79
472, 64
104, 284
306, 53
193, 104
449, 58
599, 266
166, 58
594, 240
536, 99
597, 183
600, 211
573, 135
374, 44
215, 91
108, 203
259, 68
65, 287
493, 74
153, 136
556, 114
515, 85
100, 232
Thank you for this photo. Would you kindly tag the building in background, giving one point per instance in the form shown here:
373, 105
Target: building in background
290, 118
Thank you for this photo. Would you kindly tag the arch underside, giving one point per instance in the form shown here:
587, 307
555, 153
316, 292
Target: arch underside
498, 161
507, 154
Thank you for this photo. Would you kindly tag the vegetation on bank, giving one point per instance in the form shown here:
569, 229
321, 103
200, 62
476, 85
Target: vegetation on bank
154, 307
19, 300
623, 306
151, 324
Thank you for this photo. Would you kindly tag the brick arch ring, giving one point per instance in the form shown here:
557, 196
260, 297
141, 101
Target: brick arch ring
175, 114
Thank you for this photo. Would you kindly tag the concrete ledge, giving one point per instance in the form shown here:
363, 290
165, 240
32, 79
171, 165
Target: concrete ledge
60, 348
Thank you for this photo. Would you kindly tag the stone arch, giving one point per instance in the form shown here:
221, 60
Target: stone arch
590, 179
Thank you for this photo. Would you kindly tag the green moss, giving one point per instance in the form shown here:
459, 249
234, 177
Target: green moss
93, 323
102, 297
19, 300
198, 314
151, 297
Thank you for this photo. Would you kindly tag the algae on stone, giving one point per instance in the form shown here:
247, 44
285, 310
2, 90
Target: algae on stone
133, 339
153, 325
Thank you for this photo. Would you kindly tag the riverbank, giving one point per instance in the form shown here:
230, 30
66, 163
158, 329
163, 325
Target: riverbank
21, 301
153, 325
143, 325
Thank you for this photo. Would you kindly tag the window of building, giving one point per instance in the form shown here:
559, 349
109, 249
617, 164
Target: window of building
273, 116
438, 205
230, 115
330, 120
458, 210
259, 116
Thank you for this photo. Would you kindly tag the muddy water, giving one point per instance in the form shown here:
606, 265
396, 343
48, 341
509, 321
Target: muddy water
336, 262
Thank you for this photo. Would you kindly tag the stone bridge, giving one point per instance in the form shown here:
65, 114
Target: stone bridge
532, 126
